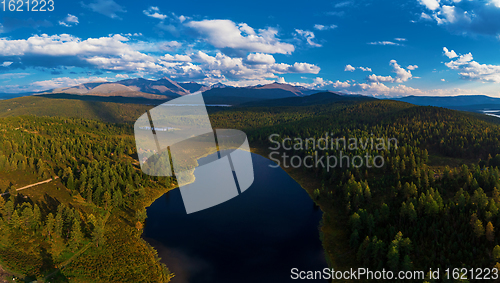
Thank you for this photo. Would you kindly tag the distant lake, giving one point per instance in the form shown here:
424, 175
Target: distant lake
493, 113
258, 236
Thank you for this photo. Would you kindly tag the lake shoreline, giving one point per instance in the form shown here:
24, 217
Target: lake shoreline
175, 246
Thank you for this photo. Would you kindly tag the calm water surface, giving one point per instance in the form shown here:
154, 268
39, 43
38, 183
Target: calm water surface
258, 236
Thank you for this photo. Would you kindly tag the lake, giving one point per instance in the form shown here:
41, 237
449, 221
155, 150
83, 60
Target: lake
258, 236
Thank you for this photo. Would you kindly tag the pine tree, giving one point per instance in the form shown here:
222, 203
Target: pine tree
496, 252
98, 232
490, 232
76, 235
478, 228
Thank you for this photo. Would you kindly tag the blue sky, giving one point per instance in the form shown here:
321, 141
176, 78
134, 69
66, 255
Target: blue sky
380, 48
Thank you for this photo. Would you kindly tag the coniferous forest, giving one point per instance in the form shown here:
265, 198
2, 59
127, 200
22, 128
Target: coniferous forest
434, 203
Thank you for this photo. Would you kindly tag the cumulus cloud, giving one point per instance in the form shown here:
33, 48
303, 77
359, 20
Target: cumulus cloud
323, 27
495, 3
430, 4
69, 21
281, 80
154, 12
260, 58
170, 46
308, 36
377, 89
402, 75
225, 34
349, 68
302, 68
124, 54
122, 76
450, 54
465, 17
6, 64
176, 58
412, 67
108, 8
474, 71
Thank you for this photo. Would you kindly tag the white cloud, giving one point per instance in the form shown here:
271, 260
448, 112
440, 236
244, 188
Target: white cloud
122, 76
383, 43
380, 79
377, 89
495, 3
400, 39
443, 80
281, 80
450, 54
474, 71
402, 75
425, 17
430, 4
323, 27
226, 34
309, 36
69, 21
260, 58
349, 68
108, 8
170, 46
123, 53
64, 82
176, 58
412, 67
6, 64
467, 17
154, 12
302, 68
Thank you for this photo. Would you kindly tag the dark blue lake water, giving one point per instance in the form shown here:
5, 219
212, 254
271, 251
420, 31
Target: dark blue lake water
258, 236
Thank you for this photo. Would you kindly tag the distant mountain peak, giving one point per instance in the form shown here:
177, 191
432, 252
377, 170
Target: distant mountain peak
297, 90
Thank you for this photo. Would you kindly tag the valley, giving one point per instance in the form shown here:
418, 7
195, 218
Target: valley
441, 175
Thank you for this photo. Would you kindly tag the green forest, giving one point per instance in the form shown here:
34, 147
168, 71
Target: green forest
434, 203
84, 225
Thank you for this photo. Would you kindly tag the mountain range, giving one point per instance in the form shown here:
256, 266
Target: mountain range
167, 88
144, 91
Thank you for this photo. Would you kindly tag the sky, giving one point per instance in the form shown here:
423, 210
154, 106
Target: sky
371, 47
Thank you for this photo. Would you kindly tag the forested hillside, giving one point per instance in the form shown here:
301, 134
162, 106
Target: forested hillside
434, 203
86, 223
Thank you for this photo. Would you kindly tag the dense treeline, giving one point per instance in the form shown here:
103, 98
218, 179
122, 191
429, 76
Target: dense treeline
93, 161
410, 214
